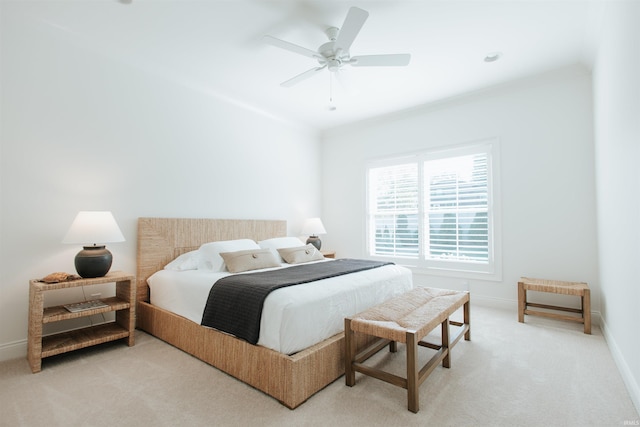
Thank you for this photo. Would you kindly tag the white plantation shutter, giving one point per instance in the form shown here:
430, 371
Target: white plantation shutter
435, 208
394, 210
456, 194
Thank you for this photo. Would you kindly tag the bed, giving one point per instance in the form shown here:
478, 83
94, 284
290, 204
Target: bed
289, 378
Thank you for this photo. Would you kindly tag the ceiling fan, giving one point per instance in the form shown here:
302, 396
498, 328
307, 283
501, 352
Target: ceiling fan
334, 54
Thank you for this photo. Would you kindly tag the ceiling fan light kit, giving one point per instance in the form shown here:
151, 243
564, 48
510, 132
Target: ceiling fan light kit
335, 54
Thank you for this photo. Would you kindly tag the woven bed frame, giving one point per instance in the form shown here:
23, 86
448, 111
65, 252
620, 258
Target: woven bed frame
289, 379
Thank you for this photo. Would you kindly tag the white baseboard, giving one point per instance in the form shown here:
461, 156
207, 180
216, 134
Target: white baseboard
13, 350
623, 366
512, 305
491, 302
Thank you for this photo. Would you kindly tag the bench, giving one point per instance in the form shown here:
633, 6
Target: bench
407, 318
556, 287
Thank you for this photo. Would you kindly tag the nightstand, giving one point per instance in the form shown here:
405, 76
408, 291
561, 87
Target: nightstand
124, 303
328, 254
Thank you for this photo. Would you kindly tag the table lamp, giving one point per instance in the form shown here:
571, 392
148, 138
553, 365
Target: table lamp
312, 227
92, 229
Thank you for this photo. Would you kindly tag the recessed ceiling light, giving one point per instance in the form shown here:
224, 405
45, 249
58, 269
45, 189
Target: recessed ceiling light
492, 57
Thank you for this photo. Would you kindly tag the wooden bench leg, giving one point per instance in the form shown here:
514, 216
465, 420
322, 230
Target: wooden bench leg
349, 353
393, 347
586, 311
446, 362
467, 319
522, 301
412, 373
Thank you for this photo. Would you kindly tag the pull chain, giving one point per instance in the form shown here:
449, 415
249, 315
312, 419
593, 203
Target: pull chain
332, 107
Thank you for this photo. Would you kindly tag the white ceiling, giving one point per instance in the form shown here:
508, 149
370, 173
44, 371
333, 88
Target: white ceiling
215, 47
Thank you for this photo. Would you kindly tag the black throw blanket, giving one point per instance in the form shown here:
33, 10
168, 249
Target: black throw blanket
235, 302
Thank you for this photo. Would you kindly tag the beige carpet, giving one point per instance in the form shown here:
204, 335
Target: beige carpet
541, 373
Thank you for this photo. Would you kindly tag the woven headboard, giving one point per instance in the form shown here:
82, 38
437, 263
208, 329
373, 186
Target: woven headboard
160, 240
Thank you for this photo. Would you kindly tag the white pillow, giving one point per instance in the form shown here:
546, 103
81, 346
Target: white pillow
186, 261
210, 258
278, 243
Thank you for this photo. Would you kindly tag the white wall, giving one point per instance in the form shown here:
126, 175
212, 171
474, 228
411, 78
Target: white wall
544, 125
616, 85
82, 131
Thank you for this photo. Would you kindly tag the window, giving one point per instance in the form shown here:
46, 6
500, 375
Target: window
437, 210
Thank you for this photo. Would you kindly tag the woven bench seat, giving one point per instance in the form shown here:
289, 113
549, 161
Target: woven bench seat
407, 318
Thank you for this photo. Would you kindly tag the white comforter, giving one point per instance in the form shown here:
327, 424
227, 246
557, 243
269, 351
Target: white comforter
295, 317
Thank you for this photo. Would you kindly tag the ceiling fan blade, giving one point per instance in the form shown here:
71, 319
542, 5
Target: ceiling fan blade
301, 77
391, 60
351, 27
291, 47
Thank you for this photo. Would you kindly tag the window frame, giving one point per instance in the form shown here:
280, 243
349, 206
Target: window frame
492, 269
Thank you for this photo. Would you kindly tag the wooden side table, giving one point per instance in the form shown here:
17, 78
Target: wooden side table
124, 304
579, 289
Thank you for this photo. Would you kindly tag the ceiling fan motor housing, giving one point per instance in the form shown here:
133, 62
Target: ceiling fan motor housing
333, 55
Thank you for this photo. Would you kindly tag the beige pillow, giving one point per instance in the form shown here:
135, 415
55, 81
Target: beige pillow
300, 254
250, 259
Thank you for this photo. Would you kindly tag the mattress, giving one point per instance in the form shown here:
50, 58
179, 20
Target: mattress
294, 317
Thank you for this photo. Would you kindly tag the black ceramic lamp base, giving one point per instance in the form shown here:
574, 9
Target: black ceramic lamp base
315, 241
93, 261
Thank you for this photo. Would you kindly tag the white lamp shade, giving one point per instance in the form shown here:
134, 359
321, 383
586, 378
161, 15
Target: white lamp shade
313, 227
93, 227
